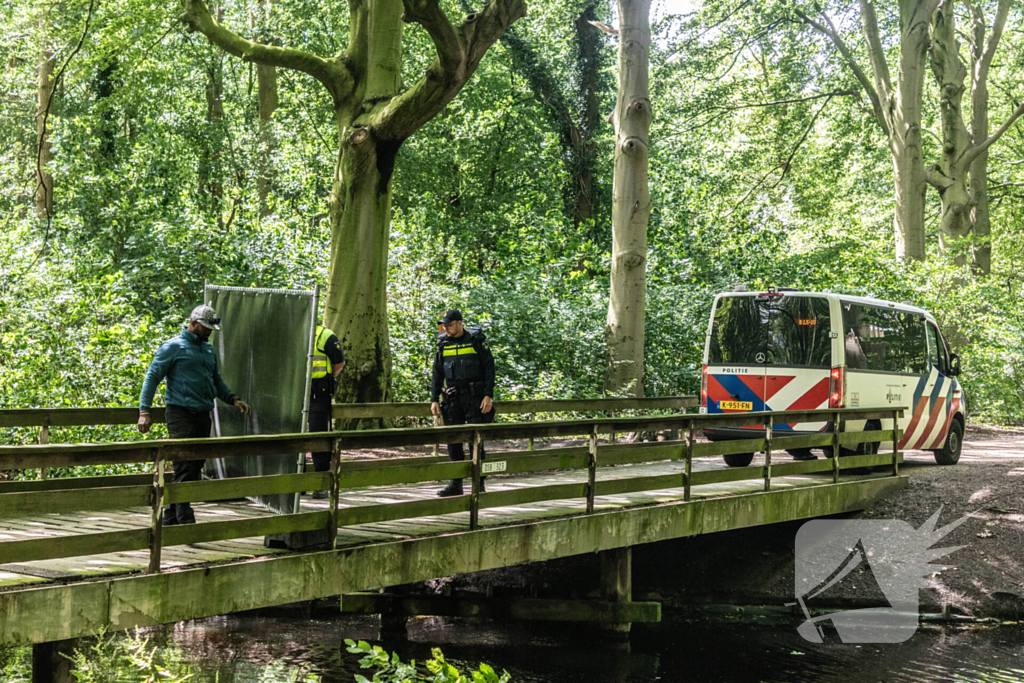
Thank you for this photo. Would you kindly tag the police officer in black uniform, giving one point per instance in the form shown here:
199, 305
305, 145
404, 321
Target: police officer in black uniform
464, 377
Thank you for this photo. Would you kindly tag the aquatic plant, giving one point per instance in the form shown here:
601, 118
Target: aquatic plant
391, 669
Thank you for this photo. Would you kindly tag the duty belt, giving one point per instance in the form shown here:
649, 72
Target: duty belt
461, 387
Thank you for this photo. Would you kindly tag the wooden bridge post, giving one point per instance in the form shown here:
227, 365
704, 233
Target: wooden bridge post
44, 438
769, 423
837, 427
592, 469
332, 529
529, 439
157, 521
895, 443
474, 498
617, 584
688, 457
51, 661
437, 447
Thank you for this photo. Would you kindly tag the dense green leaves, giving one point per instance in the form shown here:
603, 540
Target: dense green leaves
758, 175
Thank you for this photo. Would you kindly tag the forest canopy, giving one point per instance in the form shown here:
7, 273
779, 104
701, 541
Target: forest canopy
139, 160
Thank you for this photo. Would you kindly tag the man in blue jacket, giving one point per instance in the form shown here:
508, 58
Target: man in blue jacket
189, 362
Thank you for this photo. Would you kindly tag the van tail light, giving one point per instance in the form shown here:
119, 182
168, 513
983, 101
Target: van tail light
836, 389
704, 386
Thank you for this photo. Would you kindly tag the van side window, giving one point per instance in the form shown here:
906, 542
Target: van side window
933, 348
884, 339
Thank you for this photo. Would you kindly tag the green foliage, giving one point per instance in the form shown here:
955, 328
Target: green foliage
16, 664
756, 177
122, 659
391, 669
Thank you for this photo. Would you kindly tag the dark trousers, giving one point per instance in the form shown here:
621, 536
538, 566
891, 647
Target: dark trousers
183, 423
320, 421
464, 409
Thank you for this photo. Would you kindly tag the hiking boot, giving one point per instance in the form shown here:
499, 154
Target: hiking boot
454, 488
319, 495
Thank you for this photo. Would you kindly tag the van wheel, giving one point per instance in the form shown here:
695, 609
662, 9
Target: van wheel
868, 447
949, 454
738, 459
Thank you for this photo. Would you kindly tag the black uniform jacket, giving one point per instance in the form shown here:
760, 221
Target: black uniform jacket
462, 361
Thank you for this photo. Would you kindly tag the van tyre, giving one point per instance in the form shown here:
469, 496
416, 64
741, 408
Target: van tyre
738, 459
949, 454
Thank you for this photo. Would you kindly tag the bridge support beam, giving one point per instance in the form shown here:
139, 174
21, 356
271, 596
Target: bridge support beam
617, 585
529, 609
51, 661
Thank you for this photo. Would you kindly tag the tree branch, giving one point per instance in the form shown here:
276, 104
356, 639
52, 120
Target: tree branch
833, 35
834, 93
331, 72
876, 54
400, 117
971, 154
429, 15
1002, 11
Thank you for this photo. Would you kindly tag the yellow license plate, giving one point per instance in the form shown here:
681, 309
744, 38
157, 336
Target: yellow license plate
736, 405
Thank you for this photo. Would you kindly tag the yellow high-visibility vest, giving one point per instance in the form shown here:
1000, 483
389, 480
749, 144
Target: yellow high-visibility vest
321, 363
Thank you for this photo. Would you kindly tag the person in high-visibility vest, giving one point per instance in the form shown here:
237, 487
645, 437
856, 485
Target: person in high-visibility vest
328, 362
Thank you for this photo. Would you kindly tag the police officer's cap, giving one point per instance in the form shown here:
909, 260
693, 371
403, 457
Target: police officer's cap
451, 315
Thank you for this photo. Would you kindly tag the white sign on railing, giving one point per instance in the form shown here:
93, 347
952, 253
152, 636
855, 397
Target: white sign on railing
492, 467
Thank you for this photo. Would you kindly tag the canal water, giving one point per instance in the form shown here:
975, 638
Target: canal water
258, 649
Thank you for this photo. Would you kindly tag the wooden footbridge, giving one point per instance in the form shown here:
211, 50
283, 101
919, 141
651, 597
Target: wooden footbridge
81, 555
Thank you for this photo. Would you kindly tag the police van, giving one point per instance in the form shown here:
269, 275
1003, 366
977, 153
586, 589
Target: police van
792, 350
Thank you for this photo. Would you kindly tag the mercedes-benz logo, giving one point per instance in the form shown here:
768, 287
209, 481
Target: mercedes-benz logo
760, 358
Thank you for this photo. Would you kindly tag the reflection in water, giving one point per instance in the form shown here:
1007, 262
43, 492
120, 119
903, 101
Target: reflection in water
248, 649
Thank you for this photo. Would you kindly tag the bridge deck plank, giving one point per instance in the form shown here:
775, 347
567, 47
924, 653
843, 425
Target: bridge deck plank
220, 551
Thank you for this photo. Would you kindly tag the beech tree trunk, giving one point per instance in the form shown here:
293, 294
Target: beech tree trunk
631, 205
950, 174
266, 94
374, 115
897, 107
211, 181
904, 131
43, 179
961, 175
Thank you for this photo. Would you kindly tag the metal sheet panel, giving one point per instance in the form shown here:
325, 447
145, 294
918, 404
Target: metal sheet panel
263, 350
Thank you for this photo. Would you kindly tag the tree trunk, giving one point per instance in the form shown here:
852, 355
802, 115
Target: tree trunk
266, 77
211, 182
266, 89
360, 207
979, 217
631, 205
905, 133
42, 177
950, 174
356, 307
588, 71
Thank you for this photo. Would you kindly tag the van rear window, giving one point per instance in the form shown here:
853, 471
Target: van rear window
884, 339
785, 330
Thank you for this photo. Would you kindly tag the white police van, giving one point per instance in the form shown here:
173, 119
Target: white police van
792, 350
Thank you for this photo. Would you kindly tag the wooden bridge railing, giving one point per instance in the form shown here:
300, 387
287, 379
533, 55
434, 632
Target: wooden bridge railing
45, 418
18, 499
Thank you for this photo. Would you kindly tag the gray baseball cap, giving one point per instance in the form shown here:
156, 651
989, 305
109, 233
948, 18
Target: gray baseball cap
206, 316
